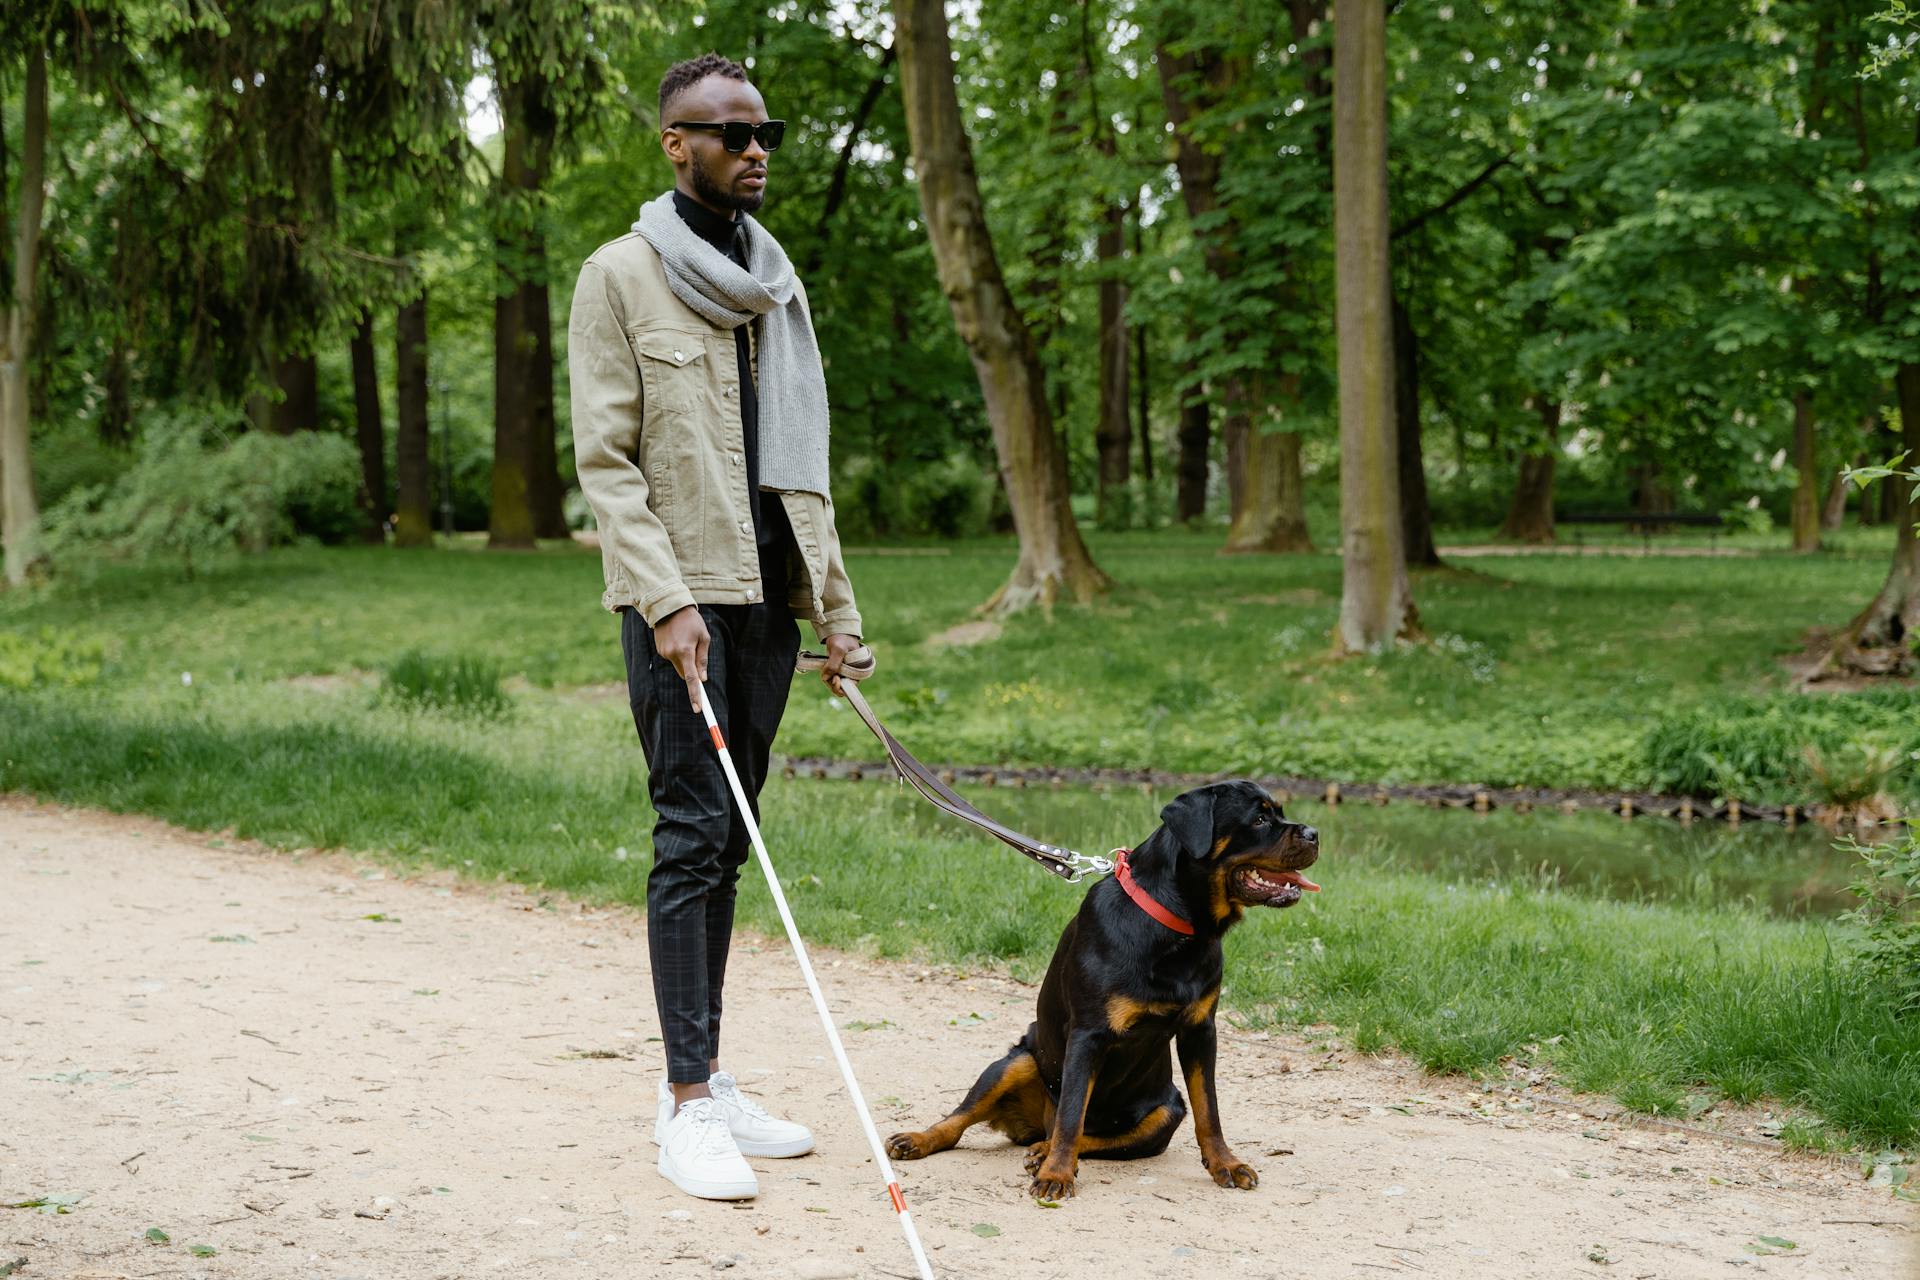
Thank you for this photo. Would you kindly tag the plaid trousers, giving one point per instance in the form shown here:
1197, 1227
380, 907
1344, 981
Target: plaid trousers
699, 841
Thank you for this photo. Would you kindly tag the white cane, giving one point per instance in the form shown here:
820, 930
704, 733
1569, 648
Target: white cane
813, 987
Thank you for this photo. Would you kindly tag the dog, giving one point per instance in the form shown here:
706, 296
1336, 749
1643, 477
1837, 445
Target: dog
1138, 965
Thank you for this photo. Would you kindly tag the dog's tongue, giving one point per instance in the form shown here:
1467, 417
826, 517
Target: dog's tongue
1295, 878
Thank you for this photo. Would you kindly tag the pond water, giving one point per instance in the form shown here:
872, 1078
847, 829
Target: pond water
1599, 854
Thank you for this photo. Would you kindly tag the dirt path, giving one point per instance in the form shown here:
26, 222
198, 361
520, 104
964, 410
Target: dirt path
320, 1069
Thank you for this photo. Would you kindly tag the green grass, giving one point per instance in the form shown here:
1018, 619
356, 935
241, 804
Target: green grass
1542, 670
435, 682
1651, 1003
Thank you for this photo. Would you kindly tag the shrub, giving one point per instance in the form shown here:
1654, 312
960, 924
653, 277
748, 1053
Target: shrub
48, 658
1759, 748
194, 490
951, 497
286, 487
461, 685
1889, 912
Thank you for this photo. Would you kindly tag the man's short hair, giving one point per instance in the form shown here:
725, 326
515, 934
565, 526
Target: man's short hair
684, 75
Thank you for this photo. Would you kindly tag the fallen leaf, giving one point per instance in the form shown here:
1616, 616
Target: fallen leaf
202, 1250
985, 1230
158, 1236
62, 1203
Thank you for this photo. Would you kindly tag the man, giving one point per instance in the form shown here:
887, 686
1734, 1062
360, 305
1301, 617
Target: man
700, 430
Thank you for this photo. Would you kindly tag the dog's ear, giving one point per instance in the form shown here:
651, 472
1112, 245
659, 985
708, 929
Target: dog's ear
1188, 818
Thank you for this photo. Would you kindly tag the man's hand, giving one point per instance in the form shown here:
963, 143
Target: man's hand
681, 638
838, 647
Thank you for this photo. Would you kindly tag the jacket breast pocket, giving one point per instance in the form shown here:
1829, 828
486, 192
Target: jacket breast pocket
673, 369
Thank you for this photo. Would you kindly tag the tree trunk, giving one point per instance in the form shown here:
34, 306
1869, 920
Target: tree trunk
116, 412
1652, 495
1234, 433
297, 408
1141, 401
1115, 432
1376, 606
1530, 516
1806, 491
1880, 641
19, 505
1416, 518
1196, 444
1033, 467
413, 457
369, 430
526, 478
1273, 500
1833, 508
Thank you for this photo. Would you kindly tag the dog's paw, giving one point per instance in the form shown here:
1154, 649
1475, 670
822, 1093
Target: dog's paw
1037, 1155
1047, 1186
905, 1146
1235, 1173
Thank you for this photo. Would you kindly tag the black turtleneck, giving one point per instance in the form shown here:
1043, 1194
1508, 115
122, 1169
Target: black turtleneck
771, 530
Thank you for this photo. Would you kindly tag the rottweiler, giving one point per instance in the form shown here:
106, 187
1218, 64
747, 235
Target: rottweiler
1138, 965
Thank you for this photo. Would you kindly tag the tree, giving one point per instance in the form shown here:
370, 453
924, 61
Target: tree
1114, 433
369, 431
413, 514
19, 506
1053, 556
1252, 220
1376, 606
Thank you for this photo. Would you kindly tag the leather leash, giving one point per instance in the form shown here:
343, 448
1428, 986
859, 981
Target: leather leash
1065, 863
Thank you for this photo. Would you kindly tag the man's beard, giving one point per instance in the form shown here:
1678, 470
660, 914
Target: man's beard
711, 192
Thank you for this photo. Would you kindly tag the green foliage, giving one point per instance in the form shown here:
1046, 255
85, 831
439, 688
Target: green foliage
461, 685
49, 658
1889, 912
194, 490
1855, 775
1775, 748
950, 497
1897, 28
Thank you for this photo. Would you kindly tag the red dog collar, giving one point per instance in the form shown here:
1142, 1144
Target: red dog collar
1124, 874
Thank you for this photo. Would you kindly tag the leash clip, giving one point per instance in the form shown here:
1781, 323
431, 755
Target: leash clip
1086, 864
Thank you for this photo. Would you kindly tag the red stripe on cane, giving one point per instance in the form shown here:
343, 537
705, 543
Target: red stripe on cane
719, 743
899, 1201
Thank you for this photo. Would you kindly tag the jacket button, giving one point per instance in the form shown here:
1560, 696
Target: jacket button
753, 595
746, 526
679, 357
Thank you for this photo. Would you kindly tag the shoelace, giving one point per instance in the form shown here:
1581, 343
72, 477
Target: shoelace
711, 1136
724, 1087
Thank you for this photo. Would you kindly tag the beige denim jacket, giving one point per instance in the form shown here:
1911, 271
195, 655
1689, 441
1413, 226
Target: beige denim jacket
662, 459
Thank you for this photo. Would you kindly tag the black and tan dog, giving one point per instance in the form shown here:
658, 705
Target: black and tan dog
1137, 966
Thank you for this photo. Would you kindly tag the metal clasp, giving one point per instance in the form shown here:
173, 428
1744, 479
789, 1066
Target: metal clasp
1086, 864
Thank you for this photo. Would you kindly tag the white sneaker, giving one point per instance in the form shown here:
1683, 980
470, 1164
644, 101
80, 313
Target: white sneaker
698, 1155
754, 1131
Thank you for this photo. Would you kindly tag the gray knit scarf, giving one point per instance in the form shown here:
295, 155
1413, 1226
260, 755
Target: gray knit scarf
792, 389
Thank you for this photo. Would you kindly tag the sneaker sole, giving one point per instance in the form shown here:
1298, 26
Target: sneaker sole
705, 1190
775, 1150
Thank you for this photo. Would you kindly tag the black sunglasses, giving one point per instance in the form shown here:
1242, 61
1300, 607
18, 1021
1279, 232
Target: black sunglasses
735, 133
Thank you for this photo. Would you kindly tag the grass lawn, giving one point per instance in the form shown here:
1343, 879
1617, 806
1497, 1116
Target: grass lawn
1542, 670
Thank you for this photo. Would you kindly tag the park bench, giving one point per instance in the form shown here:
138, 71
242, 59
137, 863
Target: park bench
1648, 522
